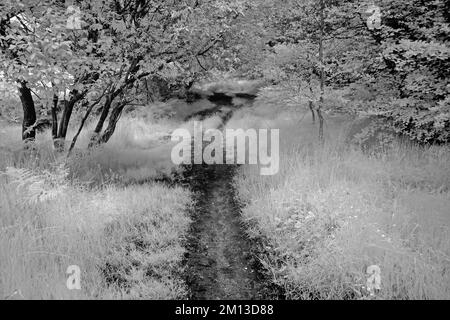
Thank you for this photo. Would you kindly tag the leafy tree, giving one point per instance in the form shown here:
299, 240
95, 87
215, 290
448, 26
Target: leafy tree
414, 40
395, 51
100, 56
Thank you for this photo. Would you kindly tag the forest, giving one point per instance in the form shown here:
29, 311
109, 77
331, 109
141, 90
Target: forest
91, 91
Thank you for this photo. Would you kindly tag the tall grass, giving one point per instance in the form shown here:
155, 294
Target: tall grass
139, 150
126, 239
96, 230
333, 210
96, 212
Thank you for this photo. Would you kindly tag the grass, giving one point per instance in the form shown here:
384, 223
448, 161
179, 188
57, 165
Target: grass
96, 230
138, 152
331, 212
127, 238
334, 210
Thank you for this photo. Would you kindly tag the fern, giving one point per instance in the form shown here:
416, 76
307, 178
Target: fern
37, 186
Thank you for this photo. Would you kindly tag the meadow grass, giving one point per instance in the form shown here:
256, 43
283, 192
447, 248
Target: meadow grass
138, 152
96, 230
334, 210
127, 239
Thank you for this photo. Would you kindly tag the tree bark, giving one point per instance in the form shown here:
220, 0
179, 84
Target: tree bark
130, 79
29, 113
83, 121
113, 119
65, 118
55, 121
54, 117
321, 121
312, 111
322, 70
59, 140
98, 128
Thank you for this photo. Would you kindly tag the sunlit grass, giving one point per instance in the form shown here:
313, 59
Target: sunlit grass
96, 230
127, 240
333, 210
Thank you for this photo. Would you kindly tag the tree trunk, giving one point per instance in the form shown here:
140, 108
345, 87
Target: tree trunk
29, 113
312, 111
322, 70
115, 115
65, 118
113, 119
59, 141
83, 121
98, 128
321, 121
54, 111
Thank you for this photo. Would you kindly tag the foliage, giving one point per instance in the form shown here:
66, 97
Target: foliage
38, 186
111, 46
414, 39
401, 63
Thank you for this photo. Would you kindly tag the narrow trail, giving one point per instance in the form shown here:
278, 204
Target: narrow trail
220, 261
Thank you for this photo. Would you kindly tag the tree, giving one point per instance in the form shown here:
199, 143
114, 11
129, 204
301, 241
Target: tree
396, 51
306, 25
415, 64
8, 14
38, 56
106, 49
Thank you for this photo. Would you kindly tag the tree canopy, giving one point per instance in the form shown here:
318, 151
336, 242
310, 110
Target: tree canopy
386, 57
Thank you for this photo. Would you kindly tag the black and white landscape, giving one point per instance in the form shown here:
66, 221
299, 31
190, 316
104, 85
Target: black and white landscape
224, 150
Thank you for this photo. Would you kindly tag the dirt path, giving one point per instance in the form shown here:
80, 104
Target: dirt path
220, 260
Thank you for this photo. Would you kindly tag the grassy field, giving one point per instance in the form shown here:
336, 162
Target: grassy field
332, 211
127, 238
